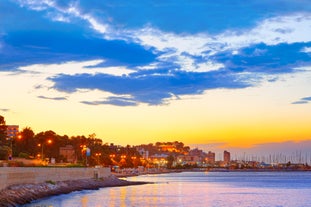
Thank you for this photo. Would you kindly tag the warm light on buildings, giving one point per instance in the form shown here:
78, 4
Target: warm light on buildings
226, 157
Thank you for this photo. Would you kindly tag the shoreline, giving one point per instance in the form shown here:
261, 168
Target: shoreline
129, 174
125, 174
16, 195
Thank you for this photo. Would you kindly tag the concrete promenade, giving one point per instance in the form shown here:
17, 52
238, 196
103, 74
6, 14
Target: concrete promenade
34, 175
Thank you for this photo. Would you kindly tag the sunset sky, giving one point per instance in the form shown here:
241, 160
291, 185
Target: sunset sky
223, 73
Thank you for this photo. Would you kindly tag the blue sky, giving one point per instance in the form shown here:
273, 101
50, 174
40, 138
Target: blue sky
153, 52
45, 32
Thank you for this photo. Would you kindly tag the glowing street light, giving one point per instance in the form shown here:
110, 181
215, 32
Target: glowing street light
49, 141
11, 138
97, 155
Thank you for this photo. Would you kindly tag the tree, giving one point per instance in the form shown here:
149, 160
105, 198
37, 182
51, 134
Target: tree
3, 128
45, 144
26, 144
170, 161
4, 152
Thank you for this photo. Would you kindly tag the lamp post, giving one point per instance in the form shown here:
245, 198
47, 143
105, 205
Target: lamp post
97, 155
122, 161
134, 160
49, 141
87, 152
11, 138
11, 147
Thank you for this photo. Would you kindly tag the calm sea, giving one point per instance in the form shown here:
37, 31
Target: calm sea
219, 189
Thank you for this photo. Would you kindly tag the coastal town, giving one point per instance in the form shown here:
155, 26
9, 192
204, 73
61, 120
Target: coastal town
155, 103
20, 148
34, 166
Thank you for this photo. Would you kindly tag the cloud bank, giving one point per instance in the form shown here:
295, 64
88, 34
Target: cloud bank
152, 60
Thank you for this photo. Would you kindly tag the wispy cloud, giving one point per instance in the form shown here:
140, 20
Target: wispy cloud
300, 102
53, 98
304, 100
4, 110
117, 101
306, 49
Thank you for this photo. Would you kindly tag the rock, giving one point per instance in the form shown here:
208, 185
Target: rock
16, 195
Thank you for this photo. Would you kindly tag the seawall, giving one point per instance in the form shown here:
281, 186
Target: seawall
33, 175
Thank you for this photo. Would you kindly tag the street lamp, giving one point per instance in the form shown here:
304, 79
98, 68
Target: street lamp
97, 155
122, 161
123, 156
134, 160
87, 152
49, 141
11, 138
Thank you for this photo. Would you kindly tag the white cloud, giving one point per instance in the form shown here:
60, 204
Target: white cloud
37, 5
88, 95
208, 66
271, 31
235, 52
179, 48
283, 29
116, 71
34, 81
189, 64
305, 68
69, 68
73, 68
58, 17
63, 14
102, 28
151, 66
306, 50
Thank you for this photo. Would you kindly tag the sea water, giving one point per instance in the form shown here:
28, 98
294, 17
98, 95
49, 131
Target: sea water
219, 189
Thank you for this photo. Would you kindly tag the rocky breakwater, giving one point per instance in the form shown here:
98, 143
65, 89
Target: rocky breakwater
17, 195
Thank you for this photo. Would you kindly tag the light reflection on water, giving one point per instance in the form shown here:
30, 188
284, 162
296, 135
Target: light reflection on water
221, 189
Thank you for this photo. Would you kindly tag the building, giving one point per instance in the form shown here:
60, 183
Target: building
197, 152
144, 153
12, 131
68, 153
210, 158
159, 160
226, 157
189, 160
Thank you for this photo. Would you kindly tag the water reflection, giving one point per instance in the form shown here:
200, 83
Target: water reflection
84, 201
112, 198
123, 196
195, 189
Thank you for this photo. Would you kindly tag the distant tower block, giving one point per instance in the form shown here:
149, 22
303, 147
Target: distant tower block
211, 157
226, 157
12, 131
